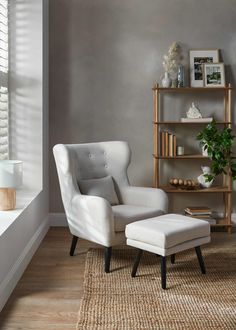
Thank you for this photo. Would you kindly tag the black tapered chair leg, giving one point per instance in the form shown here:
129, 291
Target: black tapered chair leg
73, 245
172, 258
200, 259
163, 272
136, 263
108, 251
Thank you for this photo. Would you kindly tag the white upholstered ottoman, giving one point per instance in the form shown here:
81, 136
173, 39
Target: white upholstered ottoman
166, 235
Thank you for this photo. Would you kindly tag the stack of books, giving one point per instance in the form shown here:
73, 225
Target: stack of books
168, 144
200, 212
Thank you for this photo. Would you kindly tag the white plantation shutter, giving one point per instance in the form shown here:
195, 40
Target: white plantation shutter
4, 144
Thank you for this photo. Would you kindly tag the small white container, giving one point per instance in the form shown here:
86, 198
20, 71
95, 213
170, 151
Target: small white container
180, 150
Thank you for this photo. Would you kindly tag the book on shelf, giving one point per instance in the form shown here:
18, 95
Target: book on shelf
198, 210
167, 144
171, 145
174, 144
208, 219
162, 148
196, 120
204, 216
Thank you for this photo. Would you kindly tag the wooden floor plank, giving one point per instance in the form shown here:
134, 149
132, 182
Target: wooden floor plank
49, 293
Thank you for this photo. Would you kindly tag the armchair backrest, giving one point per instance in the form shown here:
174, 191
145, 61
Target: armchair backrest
76, 162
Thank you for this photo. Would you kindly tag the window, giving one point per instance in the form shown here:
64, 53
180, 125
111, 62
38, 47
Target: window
4, 142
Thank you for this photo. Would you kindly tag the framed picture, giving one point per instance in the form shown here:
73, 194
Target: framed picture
197, 58
214, 74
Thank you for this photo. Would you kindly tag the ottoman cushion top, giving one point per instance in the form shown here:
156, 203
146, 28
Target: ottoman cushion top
168, 230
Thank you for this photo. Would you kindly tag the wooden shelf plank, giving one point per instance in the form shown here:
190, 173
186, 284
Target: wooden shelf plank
184, 157
190, 89
189, 123
221, 225
217, 189
181, 157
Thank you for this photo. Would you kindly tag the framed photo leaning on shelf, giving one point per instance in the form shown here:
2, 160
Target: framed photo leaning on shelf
214, 74
197, 58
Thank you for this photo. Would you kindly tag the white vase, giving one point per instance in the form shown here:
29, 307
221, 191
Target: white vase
202, 180
166, 81
204, 151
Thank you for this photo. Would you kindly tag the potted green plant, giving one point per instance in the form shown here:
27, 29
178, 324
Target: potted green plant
218, 144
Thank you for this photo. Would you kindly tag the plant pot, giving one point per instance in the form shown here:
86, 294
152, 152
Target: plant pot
201, 178
204, 151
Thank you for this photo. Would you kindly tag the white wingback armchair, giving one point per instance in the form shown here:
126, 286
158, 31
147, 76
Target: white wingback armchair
89, 214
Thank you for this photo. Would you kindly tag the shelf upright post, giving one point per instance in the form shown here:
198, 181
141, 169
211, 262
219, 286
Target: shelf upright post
229, 199
156, 134
225, 119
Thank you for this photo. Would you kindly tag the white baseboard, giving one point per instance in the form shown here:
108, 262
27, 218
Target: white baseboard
15, 273
57, 220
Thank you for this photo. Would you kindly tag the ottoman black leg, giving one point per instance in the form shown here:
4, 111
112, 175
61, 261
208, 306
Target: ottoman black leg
172, 258
200, 259
163, 272
136, 262
108, 251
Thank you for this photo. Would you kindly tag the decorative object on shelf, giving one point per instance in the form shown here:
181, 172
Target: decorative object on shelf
174, 83
218, 144
214, 75
180, 150
170, 64
193, 112
166, 81
194, 116
10, 178
202, 179
184, 183
197, 59
180, 76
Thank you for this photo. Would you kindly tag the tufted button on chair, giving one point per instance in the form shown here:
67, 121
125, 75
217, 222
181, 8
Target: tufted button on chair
98, 199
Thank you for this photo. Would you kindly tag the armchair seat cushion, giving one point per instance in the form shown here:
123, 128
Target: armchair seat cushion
125, 214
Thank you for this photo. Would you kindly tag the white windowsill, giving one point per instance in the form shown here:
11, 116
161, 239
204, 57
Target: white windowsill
23, 199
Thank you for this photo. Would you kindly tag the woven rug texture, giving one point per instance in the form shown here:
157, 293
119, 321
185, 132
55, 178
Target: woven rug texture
191, 301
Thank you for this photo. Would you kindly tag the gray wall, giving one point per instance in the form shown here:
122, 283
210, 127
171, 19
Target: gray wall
104, 58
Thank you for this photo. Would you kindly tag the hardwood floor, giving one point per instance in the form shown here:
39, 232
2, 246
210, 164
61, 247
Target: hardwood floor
48, 294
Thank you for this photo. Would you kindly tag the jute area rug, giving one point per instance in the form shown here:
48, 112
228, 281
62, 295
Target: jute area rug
192, 300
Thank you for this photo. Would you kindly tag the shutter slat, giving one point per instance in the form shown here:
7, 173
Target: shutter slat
4, 124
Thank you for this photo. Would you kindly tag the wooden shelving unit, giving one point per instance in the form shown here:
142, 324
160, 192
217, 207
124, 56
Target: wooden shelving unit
226, 188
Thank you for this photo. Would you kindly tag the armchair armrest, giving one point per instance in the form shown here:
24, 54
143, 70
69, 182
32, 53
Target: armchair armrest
151, 197
91, 217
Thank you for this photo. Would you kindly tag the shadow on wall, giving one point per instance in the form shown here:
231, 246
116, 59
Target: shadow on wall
60, 94
25, 85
